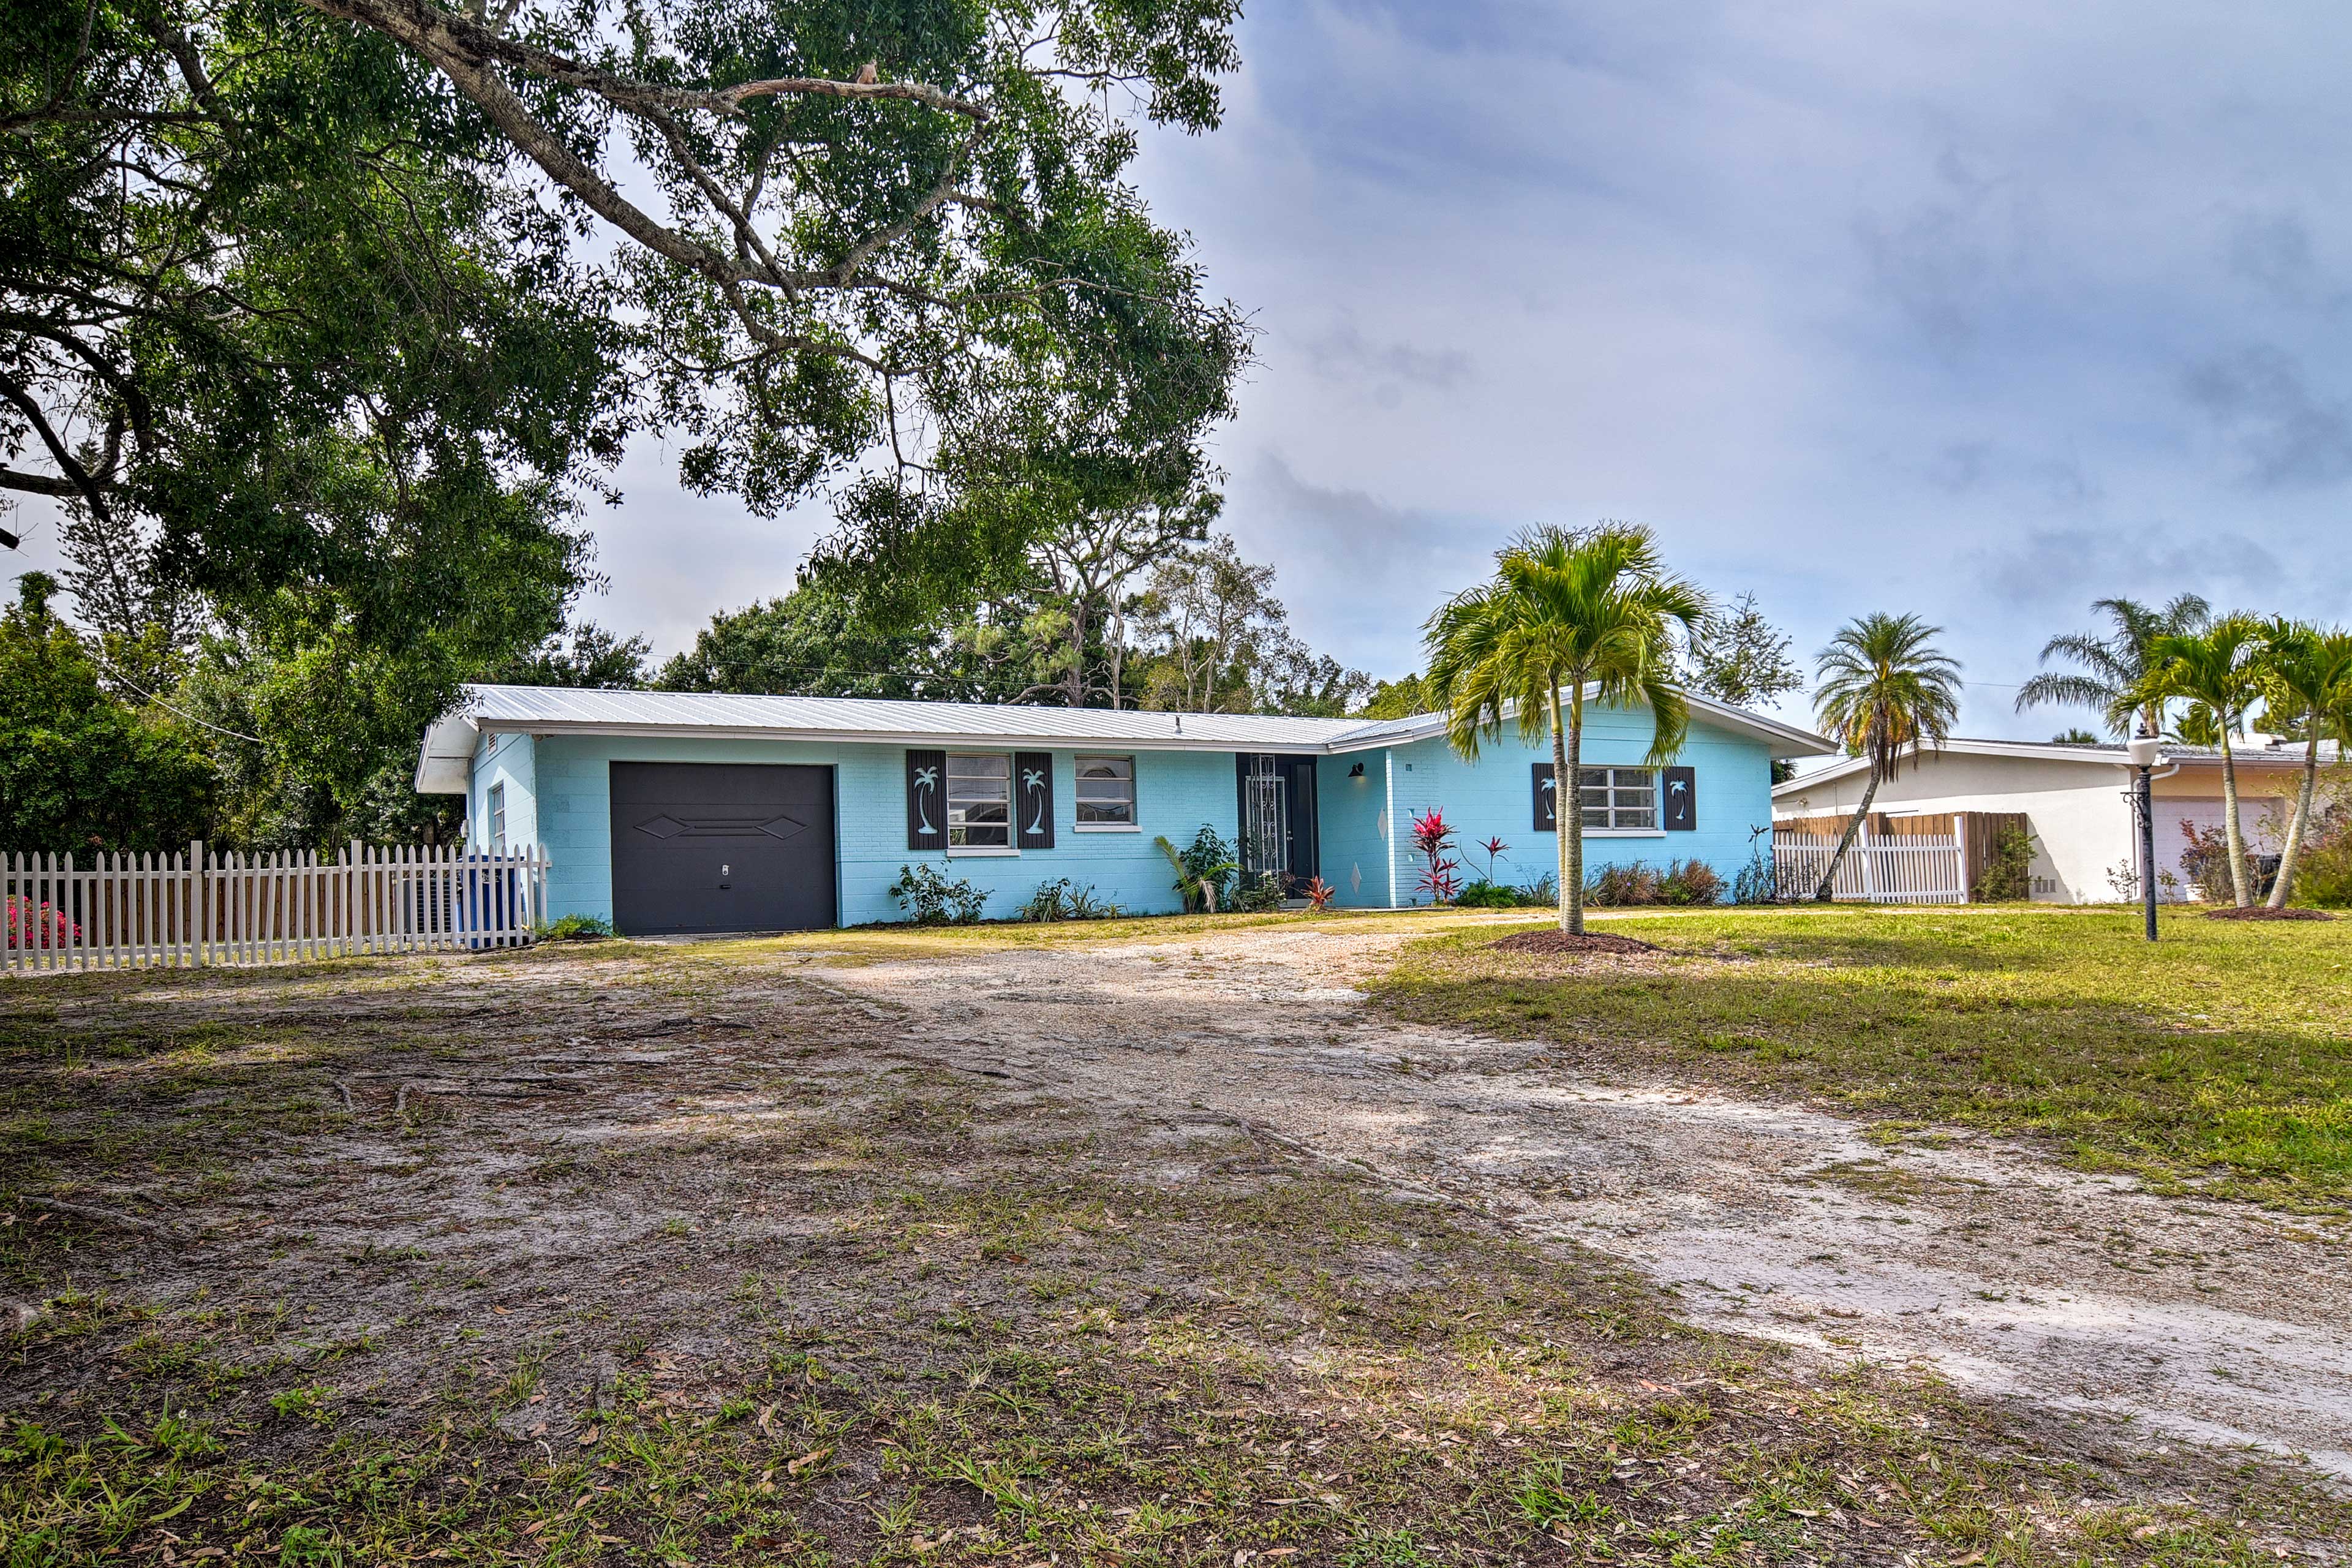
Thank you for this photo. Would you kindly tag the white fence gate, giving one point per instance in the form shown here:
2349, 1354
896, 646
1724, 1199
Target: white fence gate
124, 911
1880, 868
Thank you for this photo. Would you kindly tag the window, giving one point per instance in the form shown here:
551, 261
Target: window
980, 802
1620, 799
496, 839
1106, 792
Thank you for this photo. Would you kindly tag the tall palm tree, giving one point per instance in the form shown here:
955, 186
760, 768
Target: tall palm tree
2306, 678
1883, 686
2218, 673
2113, 665
1569, 616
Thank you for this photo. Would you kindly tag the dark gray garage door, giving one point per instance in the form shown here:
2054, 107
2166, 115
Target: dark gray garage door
715, 847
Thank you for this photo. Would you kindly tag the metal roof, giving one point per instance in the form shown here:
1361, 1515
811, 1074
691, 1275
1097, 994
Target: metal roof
555, 709
2251, 753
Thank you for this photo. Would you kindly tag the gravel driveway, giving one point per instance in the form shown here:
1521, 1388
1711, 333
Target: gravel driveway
2006, 1272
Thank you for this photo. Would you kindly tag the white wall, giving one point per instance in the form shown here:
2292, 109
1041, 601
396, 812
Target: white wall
2081, 825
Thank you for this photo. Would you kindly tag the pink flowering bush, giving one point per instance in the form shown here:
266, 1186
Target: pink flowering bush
31, 925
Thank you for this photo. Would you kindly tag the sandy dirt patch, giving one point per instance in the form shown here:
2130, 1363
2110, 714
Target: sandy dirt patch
2006, 1272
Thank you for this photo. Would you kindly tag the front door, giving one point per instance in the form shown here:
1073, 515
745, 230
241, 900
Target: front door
1279, 826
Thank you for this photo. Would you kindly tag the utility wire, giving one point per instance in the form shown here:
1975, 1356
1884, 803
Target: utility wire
99, 659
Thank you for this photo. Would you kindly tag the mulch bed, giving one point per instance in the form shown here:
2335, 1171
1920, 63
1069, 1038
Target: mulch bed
2260, 913
1560, 942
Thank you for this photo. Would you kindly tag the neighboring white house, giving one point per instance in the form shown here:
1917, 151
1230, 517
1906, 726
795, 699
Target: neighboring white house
2075, 801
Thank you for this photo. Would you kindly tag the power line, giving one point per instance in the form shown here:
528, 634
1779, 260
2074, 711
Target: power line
99, 659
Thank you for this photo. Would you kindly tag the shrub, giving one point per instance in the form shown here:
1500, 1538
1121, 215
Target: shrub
577, 927
1692, 882
1259, 891
1063, 900
2206, 862
2006, 875
1484, 895
2323, 874
31, 925
1759, 882
1204, 869
1634, 882
1543, 890
932, 900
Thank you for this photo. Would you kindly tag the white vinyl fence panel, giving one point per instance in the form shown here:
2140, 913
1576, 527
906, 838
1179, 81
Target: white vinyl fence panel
185, 909
1880, 868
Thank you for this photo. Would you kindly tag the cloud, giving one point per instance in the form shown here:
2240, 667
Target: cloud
2050, 567
1342, 354
2287, 435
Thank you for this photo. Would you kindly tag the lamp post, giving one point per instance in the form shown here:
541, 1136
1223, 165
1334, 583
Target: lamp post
2144, 750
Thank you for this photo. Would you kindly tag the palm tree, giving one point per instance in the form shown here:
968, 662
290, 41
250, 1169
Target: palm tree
2306, 678
1885, 686
2218, 672
2113, 665
1587, 614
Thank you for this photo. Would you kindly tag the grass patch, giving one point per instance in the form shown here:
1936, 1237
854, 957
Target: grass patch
2221, 1056
701, 1263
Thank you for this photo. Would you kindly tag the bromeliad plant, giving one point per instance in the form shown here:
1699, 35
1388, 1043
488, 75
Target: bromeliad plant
1432, 835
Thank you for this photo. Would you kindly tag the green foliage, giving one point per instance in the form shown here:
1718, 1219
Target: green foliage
577, 927
1565, 612
584, 656
1484, 895
1063, 900
1400, 699
1632, 882
817, 641
2212, 1059
2112, 667
931, 898
1736, 655
2325, 873
79, 770
1204, 869
322, 330
2006, 874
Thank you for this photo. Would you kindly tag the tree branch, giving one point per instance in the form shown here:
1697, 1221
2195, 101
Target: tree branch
83, 484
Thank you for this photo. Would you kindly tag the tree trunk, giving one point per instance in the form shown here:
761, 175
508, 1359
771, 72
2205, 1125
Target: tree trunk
1568, 808
2280, 888
2237, 881
1829, 877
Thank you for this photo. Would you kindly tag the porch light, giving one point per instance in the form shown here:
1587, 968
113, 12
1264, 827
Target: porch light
1357, 772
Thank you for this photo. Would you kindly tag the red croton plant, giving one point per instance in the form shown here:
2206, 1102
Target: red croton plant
1432, 835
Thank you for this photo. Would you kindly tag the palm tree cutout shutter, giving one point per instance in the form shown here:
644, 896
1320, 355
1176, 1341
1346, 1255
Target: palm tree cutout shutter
926, 800
1547, 806
1678, 811
1033, 791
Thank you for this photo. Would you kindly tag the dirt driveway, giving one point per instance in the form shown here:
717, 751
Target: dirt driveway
2005, 1272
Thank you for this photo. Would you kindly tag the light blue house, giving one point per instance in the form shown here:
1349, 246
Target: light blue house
671, 812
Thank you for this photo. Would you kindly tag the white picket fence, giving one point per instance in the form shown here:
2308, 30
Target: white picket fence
185, 909
1880, 868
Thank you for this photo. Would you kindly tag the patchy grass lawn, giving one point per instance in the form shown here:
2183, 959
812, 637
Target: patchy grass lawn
2221, 1056
666, 1258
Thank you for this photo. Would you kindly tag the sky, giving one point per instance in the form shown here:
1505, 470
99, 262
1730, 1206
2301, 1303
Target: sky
1980, 311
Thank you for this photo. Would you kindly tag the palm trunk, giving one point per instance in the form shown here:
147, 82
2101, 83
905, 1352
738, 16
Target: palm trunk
2229, 821
1568, 809
1560, 803
2295, 828
1862, 814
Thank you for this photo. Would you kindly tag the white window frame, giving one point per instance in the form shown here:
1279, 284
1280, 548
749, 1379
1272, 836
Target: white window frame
947, 805
1134, 823
1620, 781
493, 818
